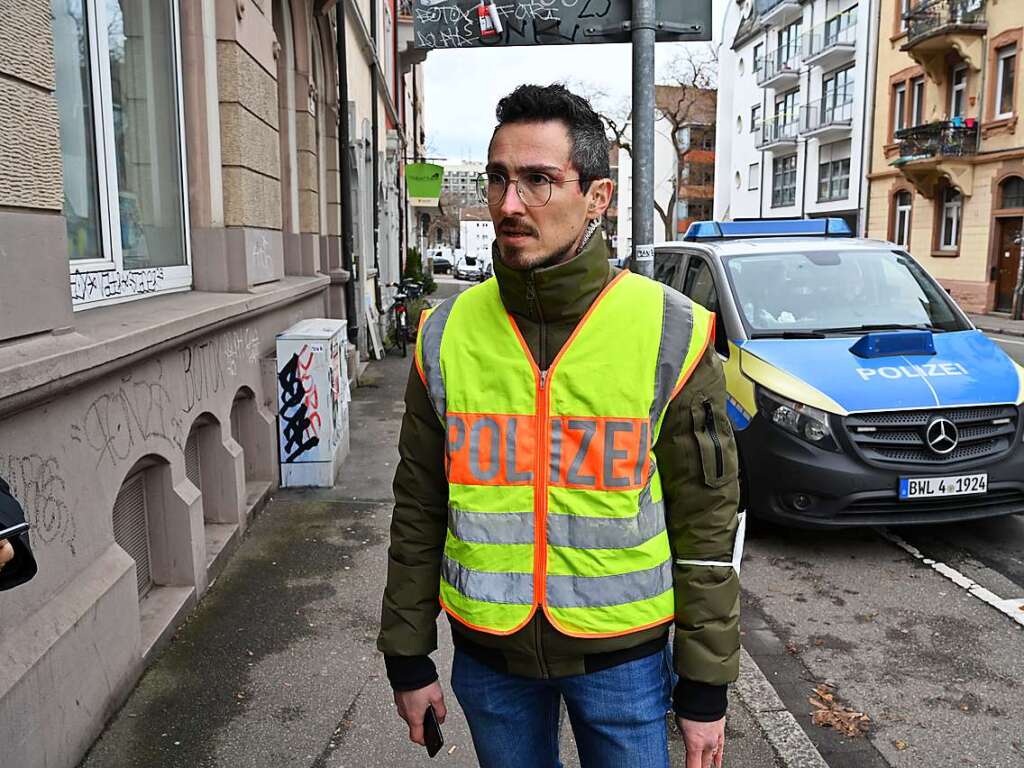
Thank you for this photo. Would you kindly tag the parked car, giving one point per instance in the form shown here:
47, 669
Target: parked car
859, 392
442, 261
469, 268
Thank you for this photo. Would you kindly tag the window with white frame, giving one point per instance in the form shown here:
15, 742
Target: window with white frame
755, 117
834, 171
758, 57
952, 210
917, 101
904, 8
902, 210
754, 176
784, 181
957, 91
899, 110
1006, 72
119, 107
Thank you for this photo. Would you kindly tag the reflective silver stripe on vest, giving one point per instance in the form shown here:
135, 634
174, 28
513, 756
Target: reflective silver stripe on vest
433, 329
581, 532
676, 330
597, 591
491, 527
486, 586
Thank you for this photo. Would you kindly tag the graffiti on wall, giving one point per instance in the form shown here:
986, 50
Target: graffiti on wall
300, 405
204, 364
37, 483
139, 410
114, 283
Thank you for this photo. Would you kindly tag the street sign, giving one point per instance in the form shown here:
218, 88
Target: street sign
423, 181
500, 23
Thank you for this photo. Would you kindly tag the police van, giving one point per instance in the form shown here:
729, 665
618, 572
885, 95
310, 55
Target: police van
859, 392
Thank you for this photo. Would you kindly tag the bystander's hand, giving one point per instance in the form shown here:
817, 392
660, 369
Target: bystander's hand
704, 742
412, 706
6, 552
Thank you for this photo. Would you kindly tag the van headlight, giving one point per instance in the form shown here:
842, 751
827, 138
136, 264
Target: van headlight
808, 423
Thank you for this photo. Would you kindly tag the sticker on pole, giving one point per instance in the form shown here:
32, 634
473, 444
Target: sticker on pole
499, 23
645, 253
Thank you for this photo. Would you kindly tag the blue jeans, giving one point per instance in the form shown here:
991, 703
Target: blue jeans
617, 714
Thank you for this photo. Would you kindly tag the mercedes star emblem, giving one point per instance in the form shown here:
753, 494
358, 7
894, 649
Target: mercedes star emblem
942, 436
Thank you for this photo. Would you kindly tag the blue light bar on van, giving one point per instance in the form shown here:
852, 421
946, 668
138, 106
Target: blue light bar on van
726, 230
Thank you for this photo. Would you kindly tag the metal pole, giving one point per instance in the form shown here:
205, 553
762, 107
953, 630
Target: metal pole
642, 260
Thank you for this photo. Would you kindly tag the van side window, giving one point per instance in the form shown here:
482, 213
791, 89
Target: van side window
700, 287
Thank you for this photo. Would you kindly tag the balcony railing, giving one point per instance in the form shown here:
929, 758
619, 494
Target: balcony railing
931, 16
833, 111
950, 138
784, 60
782, 128
840, 30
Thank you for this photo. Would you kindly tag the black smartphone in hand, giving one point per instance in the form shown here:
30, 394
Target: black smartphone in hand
432, 732
14, 530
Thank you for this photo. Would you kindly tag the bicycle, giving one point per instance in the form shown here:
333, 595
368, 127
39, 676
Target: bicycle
407, 289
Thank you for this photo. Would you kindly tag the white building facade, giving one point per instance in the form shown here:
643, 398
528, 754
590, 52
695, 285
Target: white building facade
791, 141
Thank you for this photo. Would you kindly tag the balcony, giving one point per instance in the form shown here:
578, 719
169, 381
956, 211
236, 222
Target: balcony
408, 54
936, 151
778, 133
938, 28
834, 42
780, 69
777, 12
830, 118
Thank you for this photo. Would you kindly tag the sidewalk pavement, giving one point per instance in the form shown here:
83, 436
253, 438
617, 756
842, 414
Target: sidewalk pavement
277, 666
998, 324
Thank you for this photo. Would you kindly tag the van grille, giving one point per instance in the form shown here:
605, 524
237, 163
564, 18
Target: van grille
899, 437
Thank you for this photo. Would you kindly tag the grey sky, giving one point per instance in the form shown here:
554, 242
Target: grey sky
463, 86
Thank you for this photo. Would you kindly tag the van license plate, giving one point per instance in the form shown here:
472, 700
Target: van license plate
955, 485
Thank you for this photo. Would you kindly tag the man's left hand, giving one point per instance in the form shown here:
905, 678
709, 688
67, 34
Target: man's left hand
704, 742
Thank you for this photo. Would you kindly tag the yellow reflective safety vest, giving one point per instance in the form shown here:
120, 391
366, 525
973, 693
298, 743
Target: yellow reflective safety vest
554, 497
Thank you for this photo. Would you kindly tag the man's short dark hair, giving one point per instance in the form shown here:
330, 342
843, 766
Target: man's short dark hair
588, 142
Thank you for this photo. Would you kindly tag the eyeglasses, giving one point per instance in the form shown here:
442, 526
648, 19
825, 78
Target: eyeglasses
534, 188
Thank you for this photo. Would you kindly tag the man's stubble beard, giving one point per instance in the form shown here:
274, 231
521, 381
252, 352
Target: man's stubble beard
515, 260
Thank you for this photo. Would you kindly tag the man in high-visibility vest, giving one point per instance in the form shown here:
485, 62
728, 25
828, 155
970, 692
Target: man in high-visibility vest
567, 490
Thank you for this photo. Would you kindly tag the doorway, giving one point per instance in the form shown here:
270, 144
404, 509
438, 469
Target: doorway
1008, 253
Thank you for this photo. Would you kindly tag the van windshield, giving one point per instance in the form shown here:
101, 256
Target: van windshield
836, 292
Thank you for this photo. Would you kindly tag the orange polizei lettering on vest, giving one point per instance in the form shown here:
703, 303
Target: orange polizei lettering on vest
601, 454
491, 449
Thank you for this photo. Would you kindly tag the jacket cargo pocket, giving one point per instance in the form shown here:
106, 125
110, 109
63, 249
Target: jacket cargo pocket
717, 444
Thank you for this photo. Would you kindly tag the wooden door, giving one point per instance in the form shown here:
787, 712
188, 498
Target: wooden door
1008, 248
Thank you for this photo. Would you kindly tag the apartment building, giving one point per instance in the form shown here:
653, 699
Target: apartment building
791, 136
172, 196
690, 113
459, 183
947, 167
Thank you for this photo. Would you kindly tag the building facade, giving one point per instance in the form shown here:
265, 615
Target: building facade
459, 183
792, 135
172, 197
947, 169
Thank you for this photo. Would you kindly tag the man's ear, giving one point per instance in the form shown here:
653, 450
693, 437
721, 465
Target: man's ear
599, 197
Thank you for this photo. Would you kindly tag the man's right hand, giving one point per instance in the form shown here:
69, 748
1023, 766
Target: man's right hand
6, 552
412, 706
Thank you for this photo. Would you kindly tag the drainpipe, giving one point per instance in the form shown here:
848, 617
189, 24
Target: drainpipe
868, 119
347, 234
374, 144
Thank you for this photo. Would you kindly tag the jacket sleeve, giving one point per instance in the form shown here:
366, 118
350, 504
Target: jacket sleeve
23, 567
408, 631
698, 464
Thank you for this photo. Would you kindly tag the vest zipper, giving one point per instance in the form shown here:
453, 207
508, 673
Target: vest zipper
540, 564
711, 428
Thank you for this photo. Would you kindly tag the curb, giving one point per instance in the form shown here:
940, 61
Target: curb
787, 738
992, 328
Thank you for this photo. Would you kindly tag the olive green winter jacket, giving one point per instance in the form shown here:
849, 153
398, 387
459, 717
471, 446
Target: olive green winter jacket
699, 477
